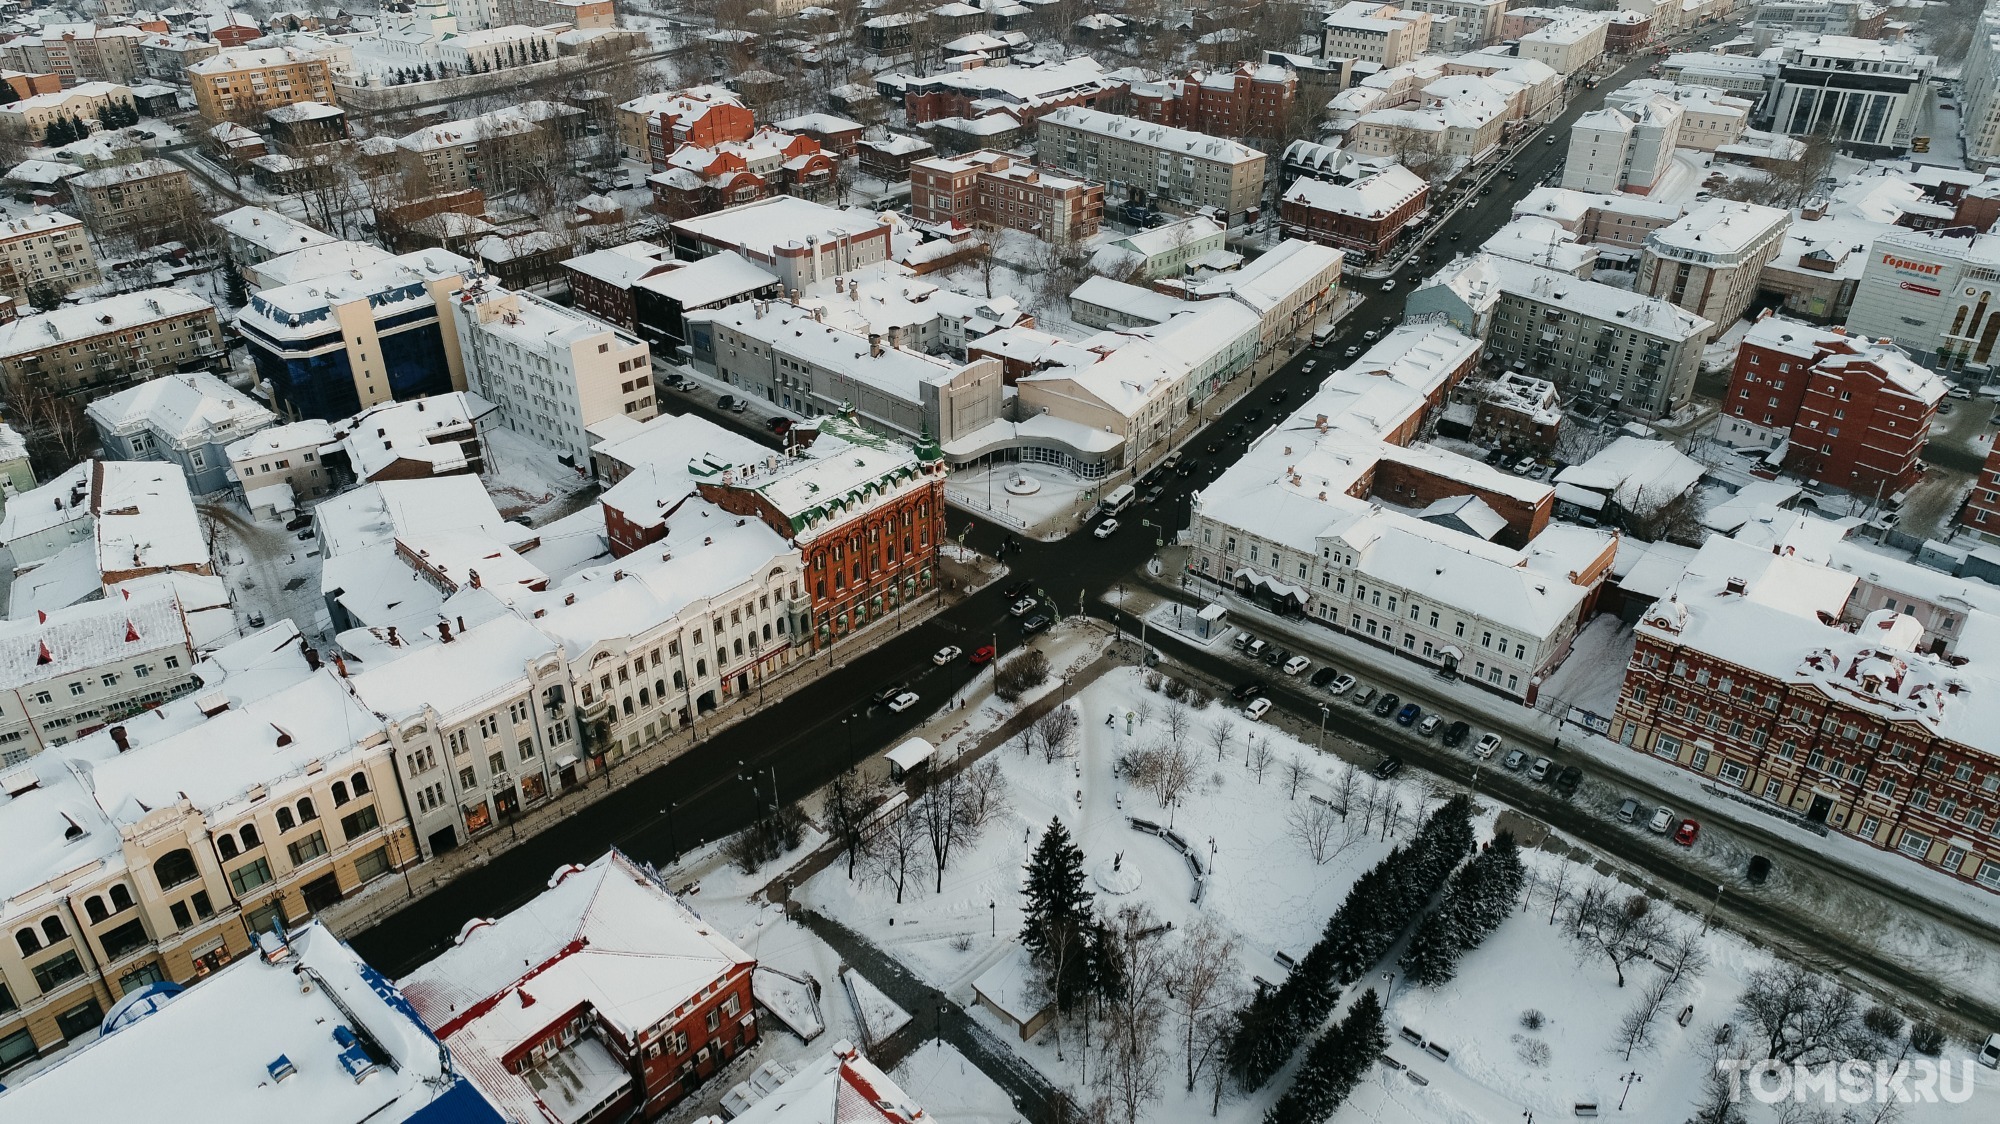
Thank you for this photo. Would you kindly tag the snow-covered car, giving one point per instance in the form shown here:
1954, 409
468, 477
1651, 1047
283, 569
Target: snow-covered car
946, 654
1106, 529
1297, 665
903, 702
1989, 1054
1352, 352
1023, 607
1662, 821
1488, 745
1540, 769
1429, 726
1341, 684
1257, 709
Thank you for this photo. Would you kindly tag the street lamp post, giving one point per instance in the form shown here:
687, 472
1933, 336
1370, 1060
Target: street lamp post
1712, 907
1630, 1080
993, 910
1324, 712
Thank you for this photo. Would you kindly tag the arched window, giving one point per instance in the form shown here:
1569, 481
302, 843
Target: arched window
174, 868
306, 810
628, 706
29, 942
700, 667
93, 907
339, 793
645, 697
227, 845
285, 820
659, 688
121, 898
249, 836
52, 928
360, 783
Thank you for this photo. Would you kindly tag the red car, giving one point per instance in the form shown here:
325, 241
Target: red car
1686, 834
982, 654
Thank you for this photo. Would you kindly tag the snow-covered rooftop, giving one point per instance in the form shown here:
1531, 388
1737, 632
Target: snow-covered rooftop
183, 410
714, 279
1163, 137
1371, 197
104, 316
388, 432
1634, 471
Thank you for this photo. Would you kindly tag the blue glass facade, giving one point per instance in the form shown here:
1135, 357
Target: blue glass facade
322, 385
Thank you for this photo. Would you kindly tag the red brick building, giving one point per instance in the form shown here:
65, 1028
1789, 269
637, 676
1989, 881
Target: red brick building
652, 127
1364, 217
1254, 101
699, 180
992, 188
1982, 508
604, 973
1855, 413
1627, 32
600, 282
1773, 676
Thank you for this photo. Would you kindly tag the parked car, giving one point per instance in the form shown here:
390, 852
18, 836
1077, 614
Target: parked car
739, 405
1687, 833
1297, 665
1958, 392
1759, 870
1489, 743
982, 654
1276, 657
946, 654
1257, 709
1106, 529
1456, 733
726, 402
1514, 760
1628, 810
1342, 684
1364, 696
1387, 705
1247, 690
1540, 769
779, 425
887, 695
1662, 821
1040, 622
1989, 1054
1388, 767
1024, 606
1429, 726
1256, 649
903, 702
1524, 466
1323, 676
1568, 780
1352, 352
1409, 714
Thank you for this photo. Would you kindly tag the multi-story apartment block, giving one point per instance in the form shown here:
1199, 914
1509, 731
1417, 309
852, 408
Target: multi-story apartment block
111, 343
1379, 33
1023, 92
1609, 346
1709, 262
1461, 568
475, 740
553, 372
798, 241
1616, 219
45, 257
1610, 150
122, 199
188, 420
1473, 23
1850, 412
1254, 101
1566, 39
1152, 163
256, 234
79, 669
283, 457
1862, 93
652, 127
328, 347
29, 118
166, 57
1709, 118
495, 152
1981, 510
79, 53
653, 1000
1980, 83
601, 282
1168, 250
243, 84
990, 189
1363, 217
1786, 675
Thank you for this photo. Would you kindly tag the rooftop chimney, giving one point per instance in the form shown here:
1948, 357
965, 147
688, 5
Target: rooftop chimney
119, 738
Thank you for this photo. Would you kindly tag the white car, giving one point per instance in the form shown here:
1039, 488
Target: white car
1540, 768
1296, 665
1106, 529
946, 654
1958, 392
1310, 364
1389, 286
1663, 821
1257, 709
1341, 685
903, 702
1989, 1054
1023, 607
1489, 744
1429, 726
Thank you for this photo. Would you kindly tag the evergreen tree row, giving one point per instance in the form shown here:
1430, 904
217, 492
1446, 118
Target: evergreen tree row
1480, 897
117, 115
1061, 932
1334, 1066
1377, 910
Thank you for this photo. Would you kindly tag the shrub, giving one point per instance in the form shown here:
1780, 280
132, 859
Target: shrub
1927, 1038
1022, 674
1532, 1019
1883, 1022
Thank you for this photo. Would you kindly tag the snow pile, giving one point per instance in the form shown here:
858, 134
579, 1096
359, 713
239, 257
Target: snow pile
879, 1015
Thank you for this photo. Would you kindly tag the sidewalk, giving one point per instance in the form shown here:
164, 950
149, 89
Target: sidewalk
385, 896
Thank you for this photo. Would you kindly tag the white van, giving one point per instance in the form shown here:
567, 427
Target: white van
1117, 500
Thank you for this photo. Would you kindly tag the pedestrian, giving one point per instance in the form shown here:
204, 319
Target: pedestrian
1111, 719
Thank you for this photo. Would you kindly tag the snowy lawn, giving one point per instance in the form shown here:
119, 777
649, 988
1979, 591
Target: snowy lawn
950, 1088
523, 475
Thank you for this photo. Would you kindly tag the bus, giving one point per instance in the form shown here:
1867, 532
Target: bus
1117, 500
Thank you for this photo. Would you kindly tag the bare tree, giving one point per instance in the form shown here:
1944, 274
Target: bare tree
1803, 1016
1259, 757
1132, 1068
1620, 931
53, 424
1179, 721
1345, 789
846, 813
1681, 960
897, 850
1057, 732
1173, 772
1657, 516
1219, 733
985, 795
1202, 988
940, 808
1296, 771
1319, 830
1558, 885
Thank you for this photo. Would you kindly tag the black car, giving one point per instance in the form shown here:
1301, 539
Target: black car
1040, 622
1188, 466
1254, 416
1324, 676
1388, 767
887, 694
1387, 705
1236, 430
1276, 657
1153, 477
1568, 779
1214, 447
1456, 733
1153, 494
1017, 591
1246, 690
1495, 456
